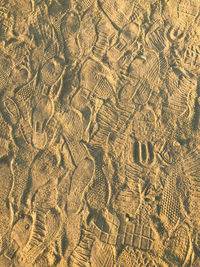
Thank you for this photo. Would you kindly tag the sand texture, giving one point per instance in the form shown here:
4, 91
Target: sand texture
99, 133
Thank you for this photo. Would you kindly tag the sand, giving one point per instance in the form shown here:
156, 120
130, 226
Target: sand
99, 133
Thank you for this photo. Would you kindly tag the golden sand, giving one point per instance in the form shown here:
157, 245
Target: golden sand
99, 133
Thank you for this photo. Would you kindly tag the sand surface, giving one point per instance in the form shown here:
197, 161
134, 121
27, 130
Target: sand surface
99, 133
